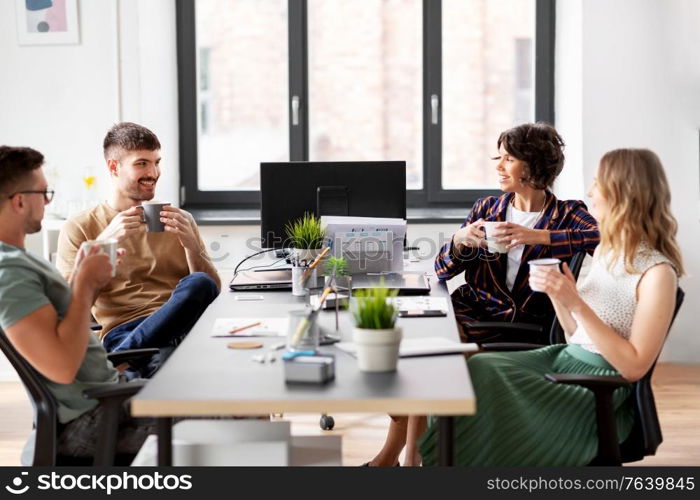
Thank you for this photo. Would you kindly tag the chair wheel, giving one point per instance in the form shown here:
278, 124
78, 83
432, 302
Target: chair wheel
327, 423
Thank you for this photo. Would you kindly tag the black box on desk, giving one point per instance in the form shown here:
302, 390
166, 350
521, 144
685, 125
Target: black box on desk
310, 369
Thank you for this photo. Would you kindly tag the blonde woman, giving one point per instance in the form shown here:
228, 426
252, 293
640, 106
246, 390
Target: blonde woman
615, 323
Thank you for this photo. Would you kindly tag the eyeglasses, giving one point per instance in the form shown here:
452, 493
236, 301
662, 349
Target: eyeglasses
48, 194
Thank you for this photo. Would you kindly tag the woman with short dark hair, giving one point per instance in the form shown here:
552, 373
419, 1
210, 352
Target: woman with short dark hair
534, 225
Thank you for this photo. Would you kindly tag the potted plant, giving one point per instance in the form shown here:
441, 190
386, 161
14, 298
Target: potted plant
337, 276
306, 236
376, 336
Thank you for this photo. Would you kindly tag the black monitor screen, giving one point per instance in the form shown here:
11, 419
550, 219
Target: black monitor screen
354, 188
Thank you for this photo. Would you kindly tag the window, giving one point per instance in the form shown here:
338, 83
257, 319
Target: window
365, 84
431, 82
242, 91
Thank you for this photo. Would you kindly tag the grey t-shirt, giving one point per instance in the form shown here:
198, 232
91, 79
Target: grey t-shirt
28, 283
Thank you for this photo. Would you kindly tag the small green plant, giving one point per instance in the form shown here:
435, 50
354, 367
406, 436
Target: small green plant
336, 266
373, 310
306, 232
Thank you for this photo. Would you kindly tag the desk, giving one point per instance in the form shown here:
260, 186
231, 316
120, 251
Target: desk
205, 378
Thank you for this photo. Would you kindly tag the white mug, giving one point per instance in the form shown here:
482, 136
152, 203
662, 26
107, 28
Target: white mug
108, 246
491, 241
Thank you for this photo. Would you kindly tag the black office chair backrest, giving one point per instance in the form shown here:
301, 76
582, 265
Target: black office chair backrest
556, 332
43, 402
646, 435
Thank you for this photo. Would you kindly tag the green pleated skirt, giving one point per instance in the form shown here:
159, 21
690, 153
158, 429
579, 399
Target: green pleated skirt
522, 419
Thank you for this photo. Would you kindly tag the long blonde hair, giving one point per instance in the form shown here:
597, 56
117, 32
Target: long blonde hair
634, 185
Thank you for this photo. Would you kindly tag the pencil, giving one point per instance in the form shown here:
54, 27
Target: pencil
241, 328
316, 261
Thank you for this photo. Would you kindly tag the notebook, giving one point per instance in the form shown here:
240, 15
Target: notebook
427, 346
407, 282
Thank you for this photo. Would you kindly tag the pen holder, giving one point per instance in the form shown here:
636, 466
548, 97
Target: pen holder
300, 285
303, 332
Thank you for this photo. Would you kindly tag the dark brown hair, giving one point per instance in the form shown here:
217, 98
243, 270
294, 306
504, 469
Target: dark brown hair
127, 136
540, 147
16, 165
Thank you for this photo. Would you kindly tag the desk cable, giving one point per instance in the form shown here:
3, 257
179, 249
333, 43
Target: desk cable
235, 271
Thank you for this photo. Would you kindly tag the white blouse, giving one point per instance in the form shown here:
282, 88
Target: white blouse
515, 254
612, 293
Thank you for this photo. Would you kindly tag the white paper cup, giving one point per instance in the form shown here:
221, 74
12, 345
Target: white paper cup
538, 264
108, 246
492, 241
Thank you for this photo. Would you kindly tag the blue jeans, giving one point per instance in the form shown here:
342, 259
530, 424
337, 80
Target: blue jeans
168, 325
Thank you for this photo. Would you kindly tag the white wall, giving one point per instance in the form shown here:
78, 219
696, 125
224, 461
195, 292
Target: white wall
61, 99
639, 86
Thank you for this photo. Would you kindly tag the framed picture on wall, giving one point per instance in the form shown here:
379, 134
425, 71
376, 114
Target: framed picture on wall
47, 22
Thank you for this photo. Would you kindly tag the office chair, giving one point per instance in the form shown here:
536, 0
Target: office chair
46, 425
645, 436
534, 334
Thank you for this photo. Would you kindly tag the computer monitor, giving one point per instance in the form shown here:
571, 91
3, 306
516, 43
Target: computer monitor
351, 188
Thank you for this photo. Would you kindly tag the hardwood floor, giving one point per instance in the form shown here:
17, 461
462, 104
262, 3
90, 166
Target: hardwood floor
676, 388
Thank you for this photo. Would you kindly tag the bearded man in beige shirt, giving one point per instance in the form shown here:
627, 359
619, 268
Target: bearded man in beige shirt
167, 279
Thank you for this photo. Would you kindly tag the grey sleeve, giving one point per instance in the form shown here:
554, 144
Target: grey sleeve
21, 293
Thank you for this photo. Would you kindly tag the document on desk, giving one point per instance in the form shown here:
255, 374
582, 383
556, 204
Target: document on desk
250, 327
421, 304
368, 244
427, 346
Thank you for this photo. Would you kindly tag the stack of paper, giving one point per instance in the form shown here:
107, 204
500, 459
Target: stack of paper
368, 244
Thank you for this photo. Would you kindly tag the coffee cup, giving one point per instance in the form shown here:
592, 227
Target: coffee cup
108, 246
492, 241
538, 264
151, 214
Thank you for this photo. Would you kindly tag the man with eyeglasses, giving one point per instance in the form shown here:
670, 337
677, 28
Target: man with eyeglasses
47, 319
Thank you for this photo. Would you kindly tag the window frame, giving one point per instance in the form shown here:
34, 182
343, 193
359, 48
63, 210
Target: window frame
432, 195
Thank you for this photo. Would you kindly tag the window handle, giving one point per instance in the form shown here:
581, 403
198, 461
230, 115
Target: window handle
295, 110
434, 103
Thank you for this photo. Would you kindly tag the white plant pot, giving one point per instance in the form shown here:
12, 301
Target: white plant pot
377, 350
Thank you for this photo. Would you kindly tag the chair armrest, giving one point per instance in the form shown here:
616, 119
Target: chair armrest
122, 391
119, 357
508, 346
503, 326
111, 398
602, 387
591, 382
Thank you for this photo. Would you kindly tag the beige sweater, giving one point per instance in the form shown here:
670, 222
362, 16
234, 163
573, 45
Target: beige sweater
153, 265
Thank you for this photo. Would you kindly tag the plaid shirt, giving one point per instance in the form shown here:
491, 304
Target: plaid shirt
485, 296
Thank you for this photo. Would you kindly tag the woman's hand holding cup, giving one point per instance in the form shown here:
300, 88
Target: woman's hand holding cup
471, 235
546, 277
